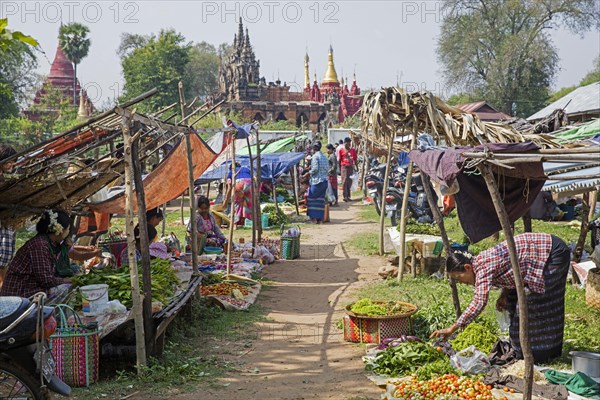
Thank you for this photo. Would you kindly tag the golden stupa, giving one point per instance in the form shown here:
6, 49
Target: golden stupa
330, 74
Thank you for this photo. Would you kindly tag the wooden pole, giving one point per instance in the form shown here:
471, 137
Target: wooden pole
256, 220
138, 317
593, 201
164, 220
585, 215
144, 249
439, 220
295, 186
386, 183
259, 177
232, 211
404, 212
413, 261
514, 259
181, 208
191, 179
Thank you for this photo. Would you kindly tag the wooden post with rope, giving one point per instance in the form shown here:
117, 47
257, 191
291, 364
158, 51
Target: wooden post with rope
514, 259
386, 183
138, 317
404, 211
191, 179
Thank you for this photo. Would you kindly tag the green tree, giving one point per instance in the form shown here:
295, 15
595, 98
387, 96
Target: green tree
8, 37
201, 70
461, 98
160, 62
17, 69
503, 49
56, 112
74, 42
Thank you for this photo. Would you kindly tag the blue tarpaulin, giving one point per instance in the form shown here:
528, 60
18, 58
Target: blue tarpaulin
272, 166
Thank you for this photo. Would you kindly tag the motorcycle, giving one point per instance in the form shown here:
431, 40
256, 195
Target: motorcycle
374, 183
418, 206
27, 367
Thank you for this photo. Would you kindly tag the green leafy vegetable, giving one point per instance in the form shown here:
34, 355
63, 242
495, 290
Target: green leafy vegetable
404, 359
475, 335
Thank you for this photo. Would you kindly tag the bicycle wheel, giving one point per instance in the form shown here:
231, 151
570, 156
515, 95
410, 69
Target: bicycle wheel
17, 383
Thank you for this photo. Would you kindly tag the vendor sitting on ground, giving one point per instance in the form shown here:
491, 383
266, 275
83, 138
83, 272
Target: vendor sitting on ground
206, 224
544, 263
154, 216
42, 263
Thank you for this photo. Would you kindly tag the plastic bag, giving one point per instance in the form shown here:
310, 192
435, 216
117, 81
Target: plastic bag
503, 320
329, 195
470, 361
354, 186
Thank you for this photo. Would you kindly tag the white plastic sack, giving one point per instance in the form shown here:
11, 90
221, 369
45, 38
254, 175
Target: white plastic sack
470, 361
354, 186
329, 195
503, 320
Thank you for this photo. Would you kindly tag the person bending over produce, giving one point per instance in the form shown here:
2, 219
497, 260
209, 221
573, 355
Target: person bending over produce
544, 263
42, 263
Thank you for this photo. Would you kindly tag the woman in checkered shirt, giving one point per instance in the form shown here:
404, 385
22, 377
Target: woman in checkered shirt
544, 263
41, 264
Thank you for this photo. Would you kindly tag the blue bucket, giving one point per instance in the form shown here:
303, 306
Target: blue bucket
264, 219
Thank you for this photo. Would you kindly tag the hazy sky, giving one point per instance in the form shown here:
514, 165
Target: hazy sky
380, 40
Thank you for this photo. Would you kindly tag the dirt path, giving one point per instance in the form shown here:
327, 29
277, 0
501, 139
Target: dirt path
299, 352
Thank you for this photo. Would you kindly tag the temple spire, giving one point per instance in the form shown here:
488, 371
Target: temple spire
306, 74
240, 34
330, 74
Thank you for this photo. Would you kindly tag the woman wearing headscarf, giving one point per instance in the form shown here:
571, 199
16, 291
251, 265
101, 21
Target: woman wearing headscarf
319, 166
242, 197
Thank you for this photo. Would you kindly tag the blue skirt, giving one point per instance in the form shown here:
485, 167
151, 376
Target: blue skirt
316, 201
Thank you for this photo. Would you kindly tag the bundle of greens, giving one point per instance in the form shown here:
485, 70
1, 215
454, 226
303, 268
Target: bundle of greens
370, 308
404, 359
475, 335
164, 282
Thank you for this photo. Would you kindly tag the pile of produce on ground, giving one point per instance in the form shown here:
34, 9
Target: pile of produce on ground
164, 282
404, 358
445, 387
370, 308
217, 285
475, 335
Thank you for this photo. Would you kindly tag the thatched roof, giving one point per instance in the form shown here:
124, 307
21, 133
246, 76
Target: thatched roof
392, 111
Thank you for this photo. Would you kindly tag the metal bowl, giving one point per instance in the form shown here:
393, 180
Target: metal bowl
586, 362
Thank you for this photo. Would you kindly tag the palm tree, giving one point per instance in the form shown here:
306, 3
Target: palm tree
74, 42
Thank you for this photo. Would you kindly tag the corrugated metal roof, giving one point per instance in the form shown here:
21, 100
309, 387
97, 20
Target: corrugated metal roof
572, 170
474, 108
585, 98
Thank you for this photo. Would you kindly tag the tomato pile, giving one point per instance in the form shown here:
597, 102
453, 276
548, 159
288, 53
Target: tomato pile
223, 289
447, 386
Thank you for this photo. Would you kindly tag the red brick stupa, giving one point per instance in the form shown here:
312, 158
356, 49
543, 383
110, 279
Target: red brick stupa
61, 78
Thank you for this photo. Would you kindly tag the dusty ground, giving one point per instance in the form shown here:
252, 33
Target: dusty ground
299, 352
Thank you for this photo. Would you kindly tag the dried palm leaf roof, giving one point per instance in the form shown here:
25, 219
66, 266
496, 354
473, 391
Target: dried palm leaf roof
390, 111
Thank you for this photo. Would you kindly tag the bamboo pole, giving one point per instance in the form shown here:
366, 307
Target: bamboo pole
144, 250
259, 177
164, 220
386, 183
439, 219
256, 220
232, 211
585, 215
403, 214
138, 317
191, 178
413, 262
522, 299
534, 157
181, 208
295, 187
594, 200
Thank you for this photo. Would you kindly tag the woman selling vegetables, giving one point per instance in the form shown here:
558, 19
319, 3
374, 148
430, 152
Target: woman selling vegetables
42, 264
544, 263
206, 224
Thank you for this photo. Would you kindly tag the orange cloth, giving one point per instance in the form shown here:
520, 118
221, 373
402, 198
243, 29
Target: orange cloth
168, 180
449, 204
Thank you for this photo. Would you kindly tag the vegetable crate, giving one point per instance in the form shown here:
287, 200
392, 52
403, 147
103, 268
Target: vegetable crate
374, 330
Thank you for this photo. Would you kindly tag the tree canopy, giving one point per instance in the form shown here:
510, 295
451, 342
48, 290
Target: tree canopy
155, 61
502, 50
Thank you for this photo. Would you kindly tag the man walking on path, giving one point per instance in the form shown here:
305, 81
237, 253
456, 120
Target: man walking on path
333, 171
347, 158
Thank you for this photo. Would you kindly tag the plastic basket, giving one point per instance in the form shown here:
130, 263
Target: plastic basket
373, 329
290, 245
75, 348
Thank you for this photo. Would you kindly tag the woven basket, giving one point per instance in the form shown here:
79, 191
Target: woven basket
373, 329
75, 348
290, 246
592, 289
